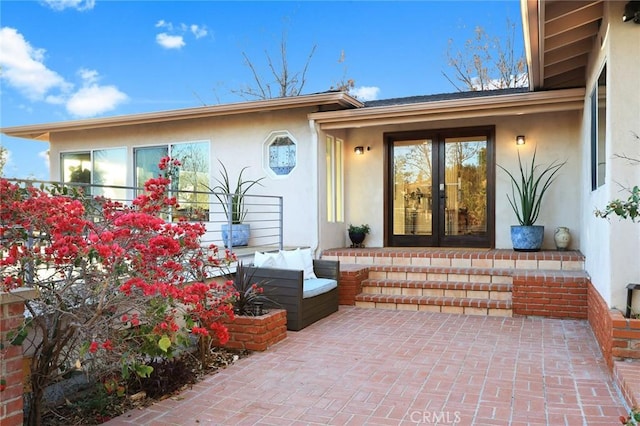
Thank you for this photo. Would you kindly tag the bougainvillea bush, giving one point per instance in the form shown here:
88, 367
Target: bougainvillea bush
119, 287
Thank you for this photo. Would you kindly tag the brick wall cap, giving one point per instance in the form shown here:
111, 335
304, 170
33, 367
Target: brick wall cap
18, 295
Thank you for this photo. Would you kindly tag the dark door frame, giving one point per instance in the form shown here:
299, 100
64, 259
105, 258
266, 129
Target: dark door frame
438, 239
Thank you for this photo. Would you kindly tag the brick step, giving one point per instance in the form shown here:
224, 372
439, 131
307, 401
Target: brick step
458, 305
463, 289
442, 273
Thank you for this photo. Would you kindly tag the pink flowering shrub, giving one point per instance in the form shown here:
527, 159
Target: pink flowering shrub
117, 284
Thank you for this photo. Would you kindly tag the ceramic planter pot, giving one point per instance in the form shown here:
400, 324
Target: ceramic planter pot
237, 236
357, 238
527, 238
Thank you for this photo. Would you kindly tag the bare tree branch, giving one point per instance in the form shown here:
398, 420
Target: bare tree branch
487, 63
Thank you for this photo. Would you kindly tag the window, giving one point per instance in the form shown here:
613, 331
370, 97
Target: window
599, 130
101, 167
281, 154
191, 184
335, 180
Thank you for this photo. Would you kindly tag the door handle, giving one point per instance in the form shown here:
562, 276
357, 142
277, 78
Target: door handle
442, 191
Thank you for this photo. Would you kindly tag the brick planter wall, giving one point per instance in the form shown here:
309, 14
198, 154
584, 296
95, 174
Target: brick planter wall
350, 284
601, 323
626, 336
549, 294
257, 333
11, 316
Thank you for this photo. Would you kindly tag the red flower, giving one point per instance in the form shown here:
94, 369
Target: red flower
93, 347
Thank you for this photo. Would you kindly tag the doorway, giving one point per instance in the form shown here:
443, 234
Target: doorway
439, 188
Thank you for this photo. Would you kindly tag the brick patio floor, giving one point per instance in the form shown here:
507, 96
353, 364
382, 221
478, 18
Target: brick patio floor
375, 367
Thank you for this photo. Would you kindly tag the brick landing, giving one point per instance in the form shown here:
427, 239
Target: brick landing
465, 281
379, 367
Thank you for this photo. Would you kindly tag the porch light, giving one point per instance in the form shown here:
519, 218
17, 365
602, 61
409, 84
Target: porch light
632, 12
520, 140
359, 150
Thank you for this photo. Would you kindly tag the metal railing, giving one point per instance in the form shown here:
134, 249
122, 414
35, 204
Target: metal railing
264, 213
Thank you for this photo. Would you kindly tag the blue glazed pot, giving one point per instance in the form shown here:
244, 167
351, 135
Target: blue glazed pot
527, 238
238, 236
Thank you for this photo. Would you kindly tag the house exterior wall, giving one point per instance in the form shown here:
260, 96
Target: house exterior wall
611, 247
556, 136
237, 141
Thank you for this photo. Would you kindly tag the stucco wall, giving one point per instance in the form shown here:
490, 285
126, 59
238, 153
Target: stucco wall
556, 136
612, 246
237, 141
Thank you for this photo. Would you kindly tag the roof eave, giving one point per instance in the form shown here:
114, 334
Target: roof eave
42, 131
500, 105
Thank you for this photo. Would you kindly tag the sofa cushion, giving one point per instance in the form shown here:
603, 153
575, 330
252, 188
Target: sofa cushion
269, 260
315, 286
307, 258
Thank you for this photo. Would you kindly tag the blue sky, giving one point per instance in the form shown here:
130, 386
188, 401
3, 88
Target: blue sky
72, 59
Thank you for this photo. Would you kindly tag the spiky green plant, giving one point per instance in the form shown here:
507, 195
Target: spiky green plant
236, 209
527, 193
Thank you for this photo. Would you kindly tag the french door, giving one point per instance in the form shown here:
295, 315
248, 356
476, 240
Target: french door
439, 190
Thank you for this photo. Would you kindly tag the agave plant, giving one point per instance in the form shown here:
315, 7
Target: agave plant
249, 294
235, 210
527, 191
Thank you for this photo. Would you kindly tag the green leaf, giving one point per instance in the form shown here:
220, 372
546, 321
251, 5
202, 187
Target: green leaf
164, 343
143, 370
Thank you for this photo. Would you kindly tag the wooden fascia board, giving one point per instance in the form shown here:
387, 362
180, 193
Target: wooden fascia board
530, 28
507, 105
42, 131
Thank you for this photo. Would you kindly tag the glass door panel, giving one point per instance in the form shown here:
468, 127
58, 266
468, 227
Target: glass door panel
412, 187
465, 186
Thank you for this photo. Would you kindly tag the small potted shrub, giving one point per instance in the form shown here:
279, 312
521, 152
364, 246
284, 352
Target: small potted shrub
357, 233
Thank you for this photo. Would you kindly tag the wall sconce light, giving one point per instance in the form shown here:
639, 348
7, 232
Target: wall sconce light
632, 12
359, 150
520, 140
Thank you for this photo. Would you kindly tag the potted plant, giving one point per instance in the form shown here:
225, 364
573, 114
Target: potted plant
253, 327
234, 232
357, 233
526, 197
249, 298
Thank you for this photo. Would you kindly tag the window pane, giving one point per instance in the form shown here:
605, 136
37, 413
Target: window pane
339, 182
192, 181
282, 155
331, 213
146, 162
110, 169
76, 167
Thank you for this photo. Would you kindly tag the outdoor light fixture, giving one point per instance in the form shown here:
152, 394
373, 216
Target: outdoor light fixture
359, 150
632, 12
520, 140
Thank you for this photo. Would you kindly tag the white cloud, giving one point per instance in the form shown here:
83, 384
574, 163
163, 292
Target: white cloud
80, 5
23, 67
173, 36
198, 31
365, 93
164, 24
93, 99
170, 41
45, 157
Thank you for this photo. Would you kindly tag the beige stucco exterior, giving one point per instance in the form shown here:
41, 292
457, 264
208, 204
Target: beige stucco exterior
611, 247
556, 136
555, 122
